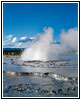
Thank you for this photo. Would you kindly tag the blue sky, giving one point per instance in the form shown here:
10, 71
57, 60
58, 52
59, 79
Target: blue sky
28, 19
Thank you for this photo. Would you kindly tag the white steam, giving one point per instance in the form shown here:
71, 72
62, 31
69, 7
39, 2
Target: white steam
70, 38
42, 48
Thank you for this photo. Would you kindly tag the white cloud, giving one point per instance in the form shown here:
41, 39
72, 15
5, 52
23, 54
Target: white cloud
32, 37
9, 45
3, 43
70, 38
55, 41
20, 44
14, 39
8, 37
23, 38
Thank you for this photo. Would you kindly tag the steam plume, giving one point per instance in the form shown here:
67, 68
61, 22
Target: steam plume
42, 48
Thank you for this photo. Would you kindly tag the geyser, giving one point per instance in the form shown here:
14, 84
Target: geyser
43, 48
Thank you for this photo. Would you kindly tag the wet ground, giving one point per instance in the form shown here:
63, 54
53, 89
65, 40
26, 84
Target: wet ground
57, 78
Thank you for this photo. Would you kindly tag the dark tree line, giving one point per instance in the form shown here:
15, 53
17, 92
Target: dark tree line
11, 52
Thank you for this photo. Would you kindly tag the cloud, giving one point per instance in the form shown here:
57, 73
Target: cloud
23, 38
19, 44
26, 40
9, 37
32, 38
8, 45
56, 42
14, 39
3, 43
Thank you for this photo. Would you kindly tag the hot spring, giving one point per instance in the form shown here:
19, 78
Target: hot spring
45, 68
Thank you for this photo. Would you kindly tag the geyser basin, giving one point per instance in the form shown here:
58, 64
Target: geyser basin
55, 78
62, 67
35, 86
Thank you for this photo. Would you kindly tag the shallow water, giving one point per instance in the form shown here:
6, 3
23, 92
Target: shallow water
57, 78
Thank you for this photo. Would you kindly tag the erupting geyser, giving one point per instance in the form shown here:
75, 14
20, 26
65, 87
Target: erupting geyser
43, 48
